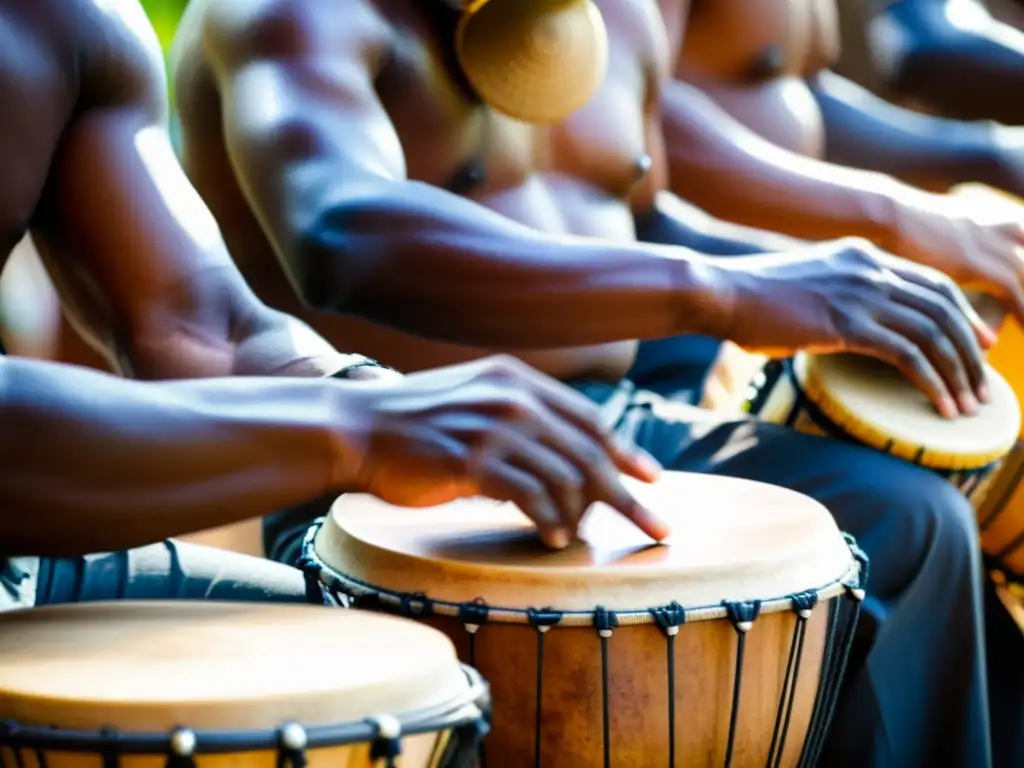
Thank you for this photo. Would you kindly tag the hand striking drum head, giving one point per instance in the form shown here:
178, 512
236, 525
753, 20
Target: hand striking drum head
732, 539
619, 651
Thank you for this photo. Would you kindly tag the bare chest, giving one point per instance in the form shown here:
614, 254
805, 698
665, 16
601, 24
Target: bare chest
453, 141
34, 107
756, 40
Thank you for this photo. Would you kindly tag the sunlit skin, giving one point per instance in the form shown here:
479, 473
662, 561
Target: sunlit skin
90, 173
759, 130
94, 463
334, 141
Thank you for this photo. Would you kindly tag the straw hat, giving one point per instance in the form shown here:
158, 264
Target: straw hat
534, 60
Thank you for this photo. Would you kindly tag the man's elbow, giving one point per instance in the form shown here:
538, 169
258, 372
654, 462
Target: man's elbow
311, 275
337, 255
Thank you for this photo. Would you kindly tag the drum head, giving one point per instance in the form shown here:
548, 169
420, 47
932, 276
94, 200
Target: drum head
732, 540
227, 666
874, 403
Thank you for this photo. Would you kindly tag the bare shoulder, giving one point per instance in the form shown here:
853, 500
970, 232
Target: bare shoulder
639, 25
234, 32
119, 54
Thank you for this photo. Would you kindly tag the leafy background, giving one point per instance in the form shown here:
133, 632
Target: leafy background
165, 15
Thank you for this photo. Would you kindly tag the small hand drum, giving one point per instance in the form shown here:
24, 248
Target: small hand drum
149, 685
724, 645
861, 400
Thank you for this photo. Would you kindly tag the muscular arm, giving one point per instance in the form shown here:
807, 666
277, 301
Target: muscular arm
135, 253
730, 171
324, 170
864, 131
663, 217
143, 461
673, 221
953, 57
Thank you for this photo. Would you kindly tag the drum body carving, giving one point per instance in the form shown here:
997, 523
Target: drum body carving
861, 400
723, 646
180, 685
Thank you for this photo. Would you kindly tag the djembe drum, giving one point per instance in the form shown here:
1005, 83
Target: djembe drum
180, 685
862, 400
1001, 512
724, 645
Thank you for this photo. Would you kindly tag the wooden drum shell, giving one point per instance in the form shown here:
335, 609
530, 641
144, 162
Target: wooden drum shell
420, 751
577, 669
705, 658
122, 679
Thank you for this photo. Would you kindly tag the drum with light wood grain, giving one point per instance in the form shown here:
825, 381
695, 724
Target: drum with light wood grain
180, 685
862, 400
722, 646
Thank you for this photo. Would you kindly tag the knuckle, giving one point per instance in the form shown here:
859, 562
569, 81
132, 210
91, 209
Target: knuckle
516, 406
859, 247
534, 498
848, 325
503, 368
571, 483
910, 359
863, 255
592, 457
590, 412
947, 349
482, 437
468, 463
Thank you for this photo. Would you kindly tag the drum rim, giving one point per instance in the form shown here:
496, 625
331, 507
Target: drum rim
839, 416
419, 605
470, 708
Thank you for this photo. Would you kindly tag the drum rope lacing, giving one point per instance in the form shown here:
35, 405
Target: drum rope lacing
467, 718
331, 587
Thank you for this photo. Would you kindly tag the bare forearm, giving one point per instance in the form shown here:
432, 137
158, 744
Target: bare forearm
866, 132
732, 172
281, 345
419, 260
94, 463
673, 221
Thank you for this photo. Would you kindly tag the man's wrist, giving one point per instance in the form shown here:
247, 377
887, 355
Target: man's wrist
350, 427
881, 210
705, 292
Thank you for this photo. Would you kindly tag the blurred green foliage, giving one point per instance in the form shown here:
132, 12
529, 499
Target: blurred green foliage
164, 14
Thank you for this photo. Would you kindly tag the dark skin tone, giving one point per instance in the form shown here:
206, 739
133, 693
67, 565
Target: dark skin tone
759, 131
90, 174
35, 326
953, 57
324, 135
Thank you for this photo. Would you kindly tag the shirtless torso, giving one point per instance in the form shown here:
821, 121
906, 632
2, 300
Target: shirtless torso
575, 177
759, 76
59, 59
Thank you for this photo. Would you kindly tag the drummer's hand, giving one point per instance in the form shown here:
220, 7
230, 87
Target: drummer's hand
498, 428
978, 243
847, 296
